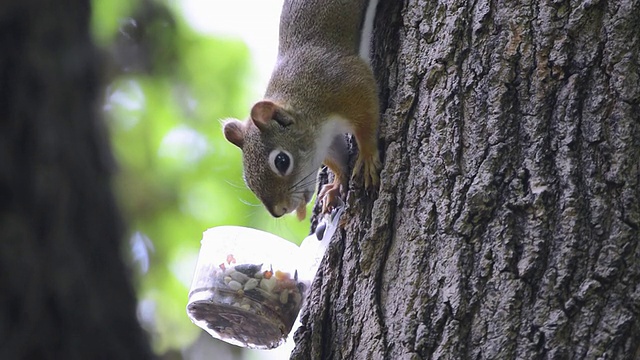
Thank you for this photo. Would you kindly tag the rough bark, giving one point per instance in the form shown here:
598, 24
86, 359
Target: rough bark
507, 222
64, 290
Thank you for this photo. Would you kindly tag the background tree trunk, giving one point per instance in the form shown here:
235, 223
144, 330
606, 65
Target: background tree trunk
64, 291
507, 222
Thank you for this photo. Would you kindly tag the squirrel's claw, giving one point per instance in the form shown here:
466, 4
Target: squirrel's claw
371, 165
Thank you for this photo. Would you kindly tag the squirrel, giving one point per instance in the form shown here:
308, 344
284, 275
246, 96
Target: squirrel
319, 90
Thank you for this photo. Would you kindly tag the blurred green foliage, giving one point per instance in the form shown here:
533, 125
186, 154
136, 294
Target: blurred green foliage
178, 176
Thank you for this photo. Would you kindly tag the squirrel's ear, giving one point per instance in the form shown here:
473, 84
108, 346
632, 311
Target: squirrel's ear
264, 111
234, 132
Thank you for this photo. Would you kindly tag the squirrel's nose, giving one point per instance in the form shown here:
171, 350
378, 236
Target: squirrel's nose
277, 210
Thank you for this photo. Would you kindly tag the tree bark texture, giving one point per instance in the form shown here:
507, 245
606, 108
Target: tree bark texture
64, 289
507, 221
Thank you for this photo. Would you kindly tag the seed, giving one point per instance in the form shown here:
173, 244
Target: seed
281, 275
284, 296
267, 274
248, 269
251, 284
239, 277
268, 283
234, 285
227, 279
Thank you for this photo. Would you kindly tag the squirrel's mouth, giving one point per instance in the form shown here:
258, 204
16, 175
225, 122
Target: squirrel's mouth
297, 203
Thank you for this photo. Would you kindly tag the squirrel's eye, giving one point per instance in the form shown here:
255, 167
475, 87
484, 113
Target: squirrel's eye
281, 162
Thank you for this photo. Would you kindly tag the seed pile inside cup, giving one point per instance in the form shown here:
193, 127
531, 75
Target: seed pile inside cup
252, 303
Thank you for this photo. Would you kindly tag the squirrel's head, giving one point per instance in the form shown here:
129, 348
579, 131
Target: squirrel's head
279, 166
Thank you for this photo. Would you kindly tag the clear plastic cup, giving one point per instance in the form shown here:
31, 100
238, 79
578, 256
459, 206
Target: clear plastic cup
248, 287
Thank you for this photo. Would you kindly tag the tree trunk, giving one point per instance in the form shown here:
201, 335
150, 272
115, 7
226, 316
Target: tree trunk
507, 222
64, 290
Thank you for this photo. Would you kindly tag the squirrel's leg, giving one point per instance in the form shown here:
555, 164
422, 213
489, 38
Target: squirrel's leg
363, 111
336, 160
368, 159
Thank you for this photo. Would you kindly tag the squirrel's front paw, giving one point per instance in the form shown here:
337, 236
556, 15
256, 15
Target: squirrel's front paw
330, 196
371, 165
